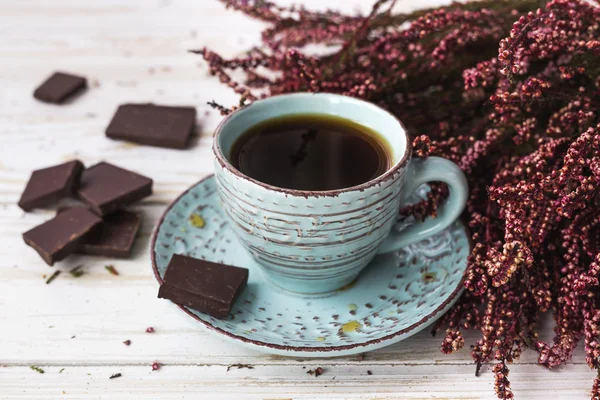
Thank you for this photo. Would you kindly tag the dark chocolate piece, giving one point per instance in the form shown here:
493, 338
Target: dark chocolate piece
106, 188
48, 185
62, 235
153, 125
115, 236
202, 285
58, 87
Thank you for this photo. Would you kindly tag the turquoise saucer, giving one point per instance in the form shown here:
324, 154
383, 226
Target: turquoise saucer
396, 296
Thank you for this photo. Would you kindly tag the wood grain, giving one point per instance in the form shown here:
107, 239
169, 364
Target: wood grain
279, 382
136, 51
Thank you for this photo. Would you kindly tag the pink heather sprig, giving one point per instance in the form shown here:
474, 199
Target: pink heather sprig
507, 90
595, 393
502, 384
453, 341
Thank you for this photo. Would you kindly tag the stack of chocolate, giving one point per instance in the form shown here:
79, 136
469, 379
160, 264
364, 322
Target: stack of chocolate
101, 227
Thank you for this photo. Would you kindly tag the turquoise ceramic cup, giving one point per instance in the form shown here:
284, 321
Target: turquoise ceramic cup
317, 242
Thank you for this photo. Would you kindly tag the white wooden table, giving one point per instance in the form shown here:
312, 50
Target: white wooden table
135, 51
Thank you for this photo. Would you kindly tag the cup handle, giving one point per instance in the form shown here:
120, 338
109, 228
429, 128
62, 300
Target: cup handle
421, 171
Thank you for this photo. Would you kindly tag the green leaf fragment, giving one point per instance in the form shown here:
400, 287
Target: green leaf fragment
197, 221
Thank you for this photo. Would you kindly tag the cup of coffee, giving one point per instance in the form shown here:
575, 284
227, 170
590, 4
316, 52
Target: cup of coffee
312, 185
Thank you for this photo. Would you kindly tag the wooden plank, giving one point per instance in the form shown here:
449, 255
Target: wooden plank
103, 310
283, 382
134, 51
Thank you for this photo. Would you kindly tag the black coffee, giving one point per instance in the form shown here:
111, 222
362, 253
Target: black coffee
311, 152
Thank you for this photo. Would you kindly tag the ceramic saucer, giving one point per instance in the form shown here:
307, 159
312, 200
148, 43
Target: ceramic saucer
396, 296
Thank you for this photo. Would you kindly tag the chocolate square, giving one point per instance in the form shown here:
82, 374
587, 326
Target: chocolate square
202, 285
62, 235
48, 185
153, 125
106, 188
114, 237
59, 87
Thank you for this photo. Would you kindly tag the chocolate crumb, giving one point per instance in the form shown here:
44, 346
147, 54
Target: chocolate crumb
155, 366
239, 366
127, 342
111, 269
316, 372
117, 375
369, 372
150, 330
53, 277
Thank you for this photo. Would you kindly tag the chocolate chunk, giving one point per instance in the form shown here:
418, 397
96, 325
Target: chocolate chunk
59, 87
202, 285
62, 235
48, 185
106, 188
115, 236
153, 125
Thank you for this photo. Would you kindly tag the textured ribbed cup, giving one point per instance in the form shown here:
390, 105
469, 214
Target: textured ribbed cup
309, 244
316, 242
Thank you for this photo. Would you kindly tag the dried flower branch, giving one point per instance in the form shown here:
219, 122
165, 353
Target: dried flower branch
509, 90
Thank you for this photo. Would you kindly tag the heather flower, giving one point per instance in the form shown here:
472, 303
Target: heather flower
453, 342
507, 90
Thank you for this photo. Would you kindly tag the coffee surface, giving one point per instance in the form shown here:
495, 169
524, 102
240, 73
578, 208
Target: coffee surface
311, 152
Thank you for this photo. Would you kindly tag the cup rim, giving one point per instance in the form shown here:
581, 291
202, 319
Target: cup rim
387, 175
